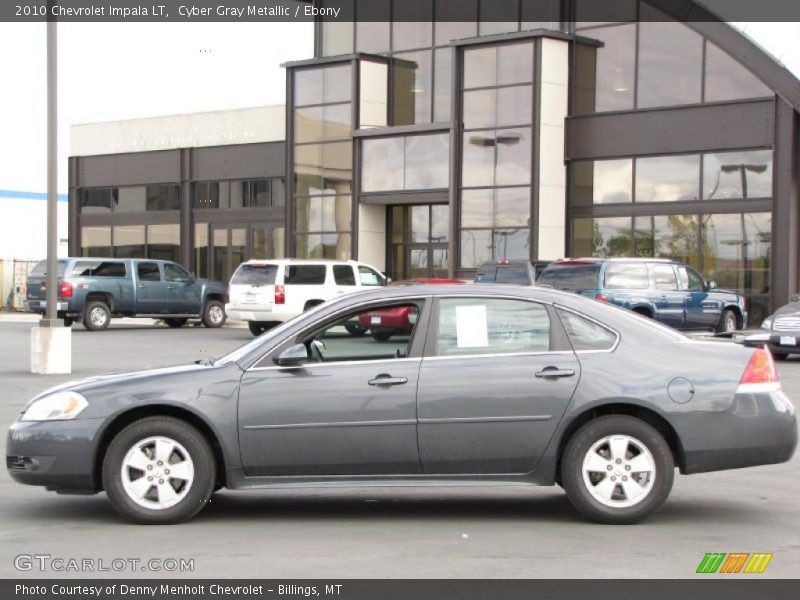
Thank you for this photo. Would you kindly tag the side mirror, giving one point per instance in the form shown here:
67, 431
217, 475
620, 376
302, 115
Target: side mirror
711, 285
293, 356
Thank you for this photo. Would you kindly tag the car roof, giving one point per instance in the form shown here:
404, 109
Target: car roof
303, 261
598, 260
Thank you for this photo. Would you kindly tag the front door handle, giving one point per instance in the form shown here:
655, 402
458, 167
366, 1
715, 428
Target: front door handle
387, 380
553, 372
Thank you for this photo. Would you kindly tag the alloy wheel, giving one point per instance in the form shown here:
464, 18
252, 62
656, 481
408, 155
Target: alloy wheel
157, 472
619, 471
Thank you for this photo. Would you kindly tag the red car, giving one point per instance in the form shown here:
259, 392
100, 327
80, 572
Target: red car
385, 323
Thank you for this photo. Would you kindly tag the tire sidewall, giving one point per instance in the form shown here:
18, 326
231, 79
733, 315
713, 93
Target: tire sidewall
87, 321
572, 468
195, 444
723, 320
207, 310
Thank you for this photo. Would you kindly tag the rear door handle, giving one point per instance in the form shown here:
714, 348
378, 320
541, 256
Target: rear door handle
552, 372
387, 380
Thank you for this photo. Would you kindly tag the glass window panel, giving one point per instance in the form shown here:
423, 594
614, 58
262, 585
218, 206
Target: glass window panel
129, 241
236, 193
414, 88
513, 157
323, 168
260, 243
337, 122
664, 277
504, 207
615, 67
511, 243
148, 271
373, 96
668, 236
514, 63
737, 175
176, 273
97, 201
344, 275
602, 181
427, 160
440, 223
455, 19
372, 28
514, 106
668, 178
476, 208
323, 213
307, 86
585, 334
224, 194
334, 246
479, 108
201, 250
726, 79
584, 76
278, 191
476, 247
627, 276
96, 241
337, 36
419, 223
480, 67
205, 195
163, 197
131, 199
308, 124
412, 25
382, 164
278, 242
398, 222
478, 159
337, 83
670, 61
479, 246
602, 237
260, 193
442, 80
164, 242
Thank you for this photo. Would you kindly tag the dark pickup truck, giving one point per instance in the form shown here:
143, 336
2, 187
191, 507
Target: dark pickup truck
92, 290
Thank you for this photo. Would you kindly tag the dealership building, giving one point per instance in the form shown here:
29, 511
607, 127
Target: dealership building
428, 147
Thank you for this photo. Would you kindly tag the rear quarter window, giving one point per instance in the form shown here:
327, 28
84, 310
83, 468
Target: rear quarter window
585, 334
255, 275
40, 270
97, 268
304, 275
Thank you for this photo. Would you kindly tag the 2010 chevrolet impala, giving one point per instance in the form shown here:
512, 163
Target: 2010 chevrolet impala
493, 384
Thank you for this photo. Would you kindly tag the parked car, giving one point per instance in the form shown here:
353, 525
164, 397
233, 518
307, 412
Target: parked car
494, 384
93, 290
383, 324
665, 290
268, 292
784, 325
504, 270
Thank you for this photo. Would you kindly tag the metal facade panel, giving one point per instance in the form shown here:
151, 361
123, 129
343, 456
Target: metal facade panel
246, 161
140, 168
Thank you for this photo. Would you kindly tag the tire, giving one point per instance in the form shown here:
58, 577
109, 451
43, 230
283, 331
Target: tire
256, 328
175, 323
153, 503
68, 322
381, 336
311, 304
727, 321
780, 356
356, 330
96, 316
592, 491
214, 314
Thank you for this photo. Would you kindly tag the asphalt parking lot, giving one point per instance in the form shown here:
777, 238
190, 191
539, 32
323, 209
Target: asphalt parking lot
465, 532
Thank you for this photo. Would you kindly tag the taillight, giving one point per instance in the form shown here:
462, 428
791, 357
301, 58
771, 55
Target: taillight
602, 298
280, 295
503, 261
760, 368
65, 289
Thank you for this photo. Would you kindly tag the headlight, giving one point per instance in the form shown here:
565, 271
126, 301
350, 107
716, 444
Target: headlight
58, 406
767, 323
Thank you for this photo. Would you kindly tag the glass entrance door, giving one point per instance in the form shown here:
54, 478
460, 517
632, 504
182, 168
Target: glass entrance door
220, 248
419, 241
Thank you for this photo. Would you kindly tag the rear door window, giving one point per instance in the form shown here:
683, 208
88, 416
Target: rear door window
344, 275
148, 271
689, 279
304, 275
255, 275
627, 276
664, 276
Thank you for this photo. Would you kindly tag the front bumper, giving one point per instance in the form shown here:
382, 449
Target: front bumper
59, 455
760, 428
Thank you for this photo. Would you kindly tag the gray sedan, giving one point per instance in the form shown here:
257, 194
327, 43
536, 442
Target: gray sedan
493, 385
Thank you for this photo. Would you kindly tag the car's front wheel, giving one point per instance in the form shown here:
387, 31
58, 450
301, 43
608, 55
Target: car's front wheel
727, 322
617, 469
159, 470
175, 323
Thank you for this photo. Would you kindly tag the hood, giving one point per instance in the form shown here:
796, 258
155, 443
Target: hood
788, 309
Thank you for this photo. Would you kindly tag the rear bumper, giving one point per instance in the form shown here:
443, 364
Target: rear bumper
259, 314
758, 429
56, 454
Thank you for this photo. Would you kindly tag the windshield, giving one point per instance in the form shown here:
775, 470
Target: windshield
570, 277
255, 275
41, 268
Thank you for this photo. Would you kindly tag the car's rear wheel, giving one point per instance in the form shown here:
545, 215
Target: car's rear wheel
356, 330
175, 323
727, 322
256, 328
780, 355
96, 316
68, 321
617, 469
159, 470
214, 314
381, 336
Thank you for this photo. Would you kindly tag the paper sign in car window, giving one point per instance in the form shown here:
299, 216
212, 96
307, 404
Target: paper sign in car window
471, 327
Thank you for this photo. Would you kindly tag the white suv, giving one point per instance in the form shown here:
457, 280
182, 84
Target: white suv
267, 292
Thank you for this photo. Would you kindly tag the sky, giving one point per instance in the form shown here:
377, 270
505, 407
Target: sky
115, 71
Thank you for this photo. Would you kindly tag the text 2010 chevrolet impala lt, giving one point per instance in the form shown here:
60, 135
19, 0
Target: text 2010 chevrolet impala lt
492, 384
